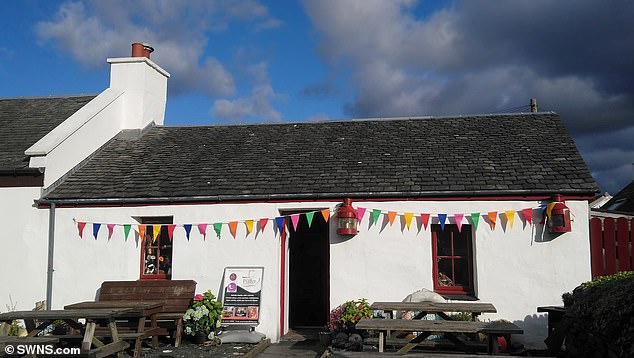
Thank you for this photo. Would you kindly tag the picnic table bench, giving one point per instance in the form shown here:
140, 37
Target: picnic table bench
14, 341
439, 308
174, 297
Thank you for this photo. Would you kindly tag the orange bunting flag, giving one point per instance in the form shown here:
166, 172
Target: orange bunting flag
249, 225
510, 217
549, 209
391, 215
170, 231
408, 219
142, 232
528, 215
326, 214
157, 230
492, 217
233, 227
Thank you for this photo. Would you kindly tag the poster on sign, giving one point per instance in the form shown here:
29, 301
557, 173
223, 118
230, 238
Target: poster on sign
241, 295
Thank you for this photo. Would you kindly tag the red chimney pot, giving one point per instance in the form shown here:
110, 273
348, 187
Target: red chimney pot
141, 50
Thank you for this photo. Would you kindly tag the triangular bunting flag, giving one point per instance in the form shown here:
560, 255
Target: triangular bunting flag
249, 225
263, 224
188, 230
458, 219
425, 220
295, 220
543, 209
408, 219
391, 215
528, 215
309, 218
233, 228
280, 223
360, 213
80, 228
170, 231
326, 214
475, 217
110, 230
549, 209
202, 229
375, 215
95, 229
157, 231
142, 232
218, 229
126, 231
492, 218
441, 219
510, 217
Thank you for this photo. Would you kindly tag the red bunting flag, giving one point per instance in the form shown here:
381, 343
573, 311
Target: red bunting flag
528, 215
295, 220
80, 228
391, 215
170, 231
110, 230
233, 227
492, 218
425, 220
263, 224
326, 214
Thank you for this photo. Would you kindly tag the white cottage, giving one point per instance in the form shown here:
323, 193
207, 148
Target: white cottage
453, 204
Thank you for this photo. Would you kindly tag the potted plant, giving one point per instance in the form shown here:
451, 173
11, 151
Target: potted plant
342, 322
203, 317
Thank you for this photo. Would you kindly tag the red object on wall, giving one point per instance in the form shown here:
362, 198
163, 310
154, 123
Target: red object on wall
141, 50
559, 220
346, 218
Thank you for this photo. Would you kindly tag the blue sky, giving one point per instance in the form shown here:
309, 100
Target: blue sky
264, 61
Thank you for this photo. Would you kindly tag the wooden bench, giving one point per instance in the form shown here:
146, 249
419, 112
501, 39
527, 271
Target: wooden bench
12, 340
449, 328
175, 296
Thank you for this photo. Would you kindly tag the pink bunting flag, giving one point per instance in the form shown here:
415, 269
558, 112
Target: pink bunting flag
170, 231
528, 215
202, 228
360, 213
425, 219
458, 219
80, 228
110, 230
295, 220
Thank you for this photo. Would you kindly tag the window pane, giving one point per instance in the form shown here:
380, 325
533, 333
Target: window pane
462, 272
461, 241
443, 243
444, 273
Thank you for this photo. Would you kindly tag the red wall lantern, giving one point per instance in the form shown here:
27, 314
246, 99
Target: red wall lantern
346, 218
559, 220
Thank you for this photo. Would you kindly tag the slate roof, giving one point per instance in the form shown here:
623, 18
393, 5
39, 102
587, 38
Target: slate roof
418, 157
24, 121
622, 202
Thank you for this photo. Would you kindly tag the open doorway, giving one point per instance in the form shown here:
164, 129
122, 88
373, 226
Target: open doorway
309, 274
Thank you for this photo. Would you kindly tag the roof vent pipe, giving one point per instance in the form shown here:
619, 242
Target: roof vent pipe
141, 50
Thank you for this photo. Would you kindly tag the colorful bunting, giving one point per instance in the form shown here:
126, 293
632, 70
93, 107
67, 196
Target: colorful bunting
375, 215
202, 229
425, 220
441, 219
188, 230
510, 217
80, 228
218, 229
280, 223
475, 217
95, 229
408, 219
309, 218
157, 231
543, 209
233, 228
170, 231
326, 214
549, 209
458, 219
263, 224
249, 225
142, 232
360, 213
295, 221
528, 215
492, 218
126, 231
110, 230
391, 215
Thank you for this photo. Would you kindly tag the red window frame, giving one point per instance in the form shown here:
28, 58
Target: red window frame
146, 242
448, 234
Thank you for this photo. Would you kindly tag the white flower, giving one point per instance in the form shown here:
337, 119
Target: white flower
188, 330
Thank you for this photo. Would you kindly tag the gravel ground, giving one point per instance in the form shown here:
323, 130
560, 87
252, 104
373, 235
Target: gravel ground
189, 349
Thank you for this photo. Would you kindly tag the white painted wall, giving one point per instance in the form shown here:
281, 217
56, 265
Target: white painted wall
23, 248
513, 271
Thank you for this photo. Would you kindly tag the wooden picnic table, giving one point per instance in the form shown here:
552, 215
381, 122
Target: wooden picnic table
439, 308
136, 315
72, 317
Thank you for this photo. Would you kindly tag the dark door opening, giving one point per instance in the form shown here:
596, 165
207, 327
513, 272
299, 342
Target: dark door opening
309, 269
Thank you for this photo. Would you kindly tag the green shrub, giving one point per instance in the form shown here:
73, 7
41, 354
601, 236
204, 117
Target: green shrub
601, 317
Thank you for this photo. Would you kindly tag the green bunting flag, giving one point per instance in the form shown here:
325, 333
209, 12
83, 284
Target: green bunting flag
375, 215
126, 231
475, 217
309, 217
217, 229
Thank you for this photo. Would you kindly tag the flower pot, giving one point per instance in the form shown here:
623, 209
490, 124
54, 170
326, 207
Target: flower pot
200, 338
325, 338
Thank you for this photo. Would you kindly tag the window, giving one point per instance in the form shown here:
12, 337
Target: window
156, 256
452, 259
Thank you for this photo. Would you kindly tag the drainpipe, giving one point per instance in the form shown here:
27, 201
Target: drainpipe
51, 248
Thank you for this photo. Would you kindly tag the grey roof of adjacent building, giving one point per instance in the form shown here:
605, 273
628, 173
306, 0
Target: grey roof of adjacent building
622, 202
24, 121
484, 155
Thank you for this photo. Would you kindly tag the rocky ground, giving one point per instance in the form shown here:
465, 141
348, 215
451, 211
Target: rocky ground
188, 349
